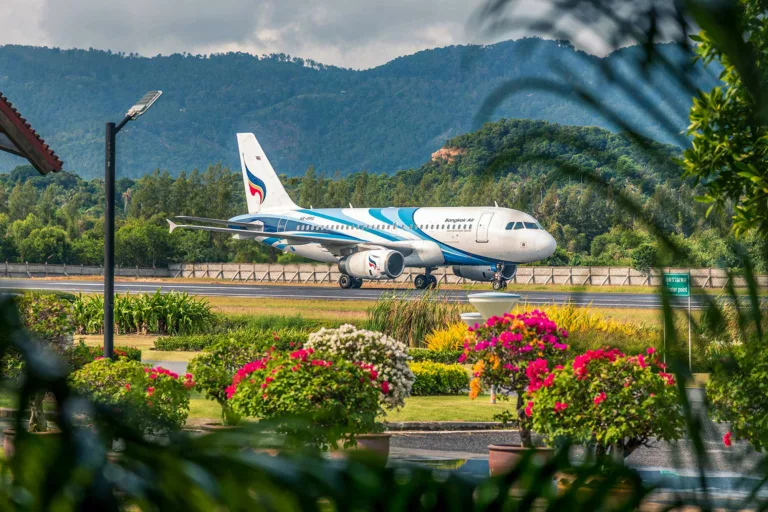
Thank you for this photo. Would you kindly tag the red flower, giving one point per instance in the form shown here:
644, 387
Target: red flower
727, 439
128, 387
599, 398
189, 384
560, 406
529, 409
150, 391
548, 380
650, 351
188, 376
385, 387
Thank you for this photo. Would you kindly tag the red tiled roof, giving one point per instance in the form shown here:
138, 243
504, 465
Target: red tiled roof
26, 140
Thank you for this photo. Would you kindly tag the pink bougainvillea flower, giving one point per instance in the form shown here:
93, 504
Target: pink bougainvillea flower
385, 387
150, 391
727, 439
560, 406
189, 384
529, 409
599, 399
549, 380
650, 351
188, 376
669, 379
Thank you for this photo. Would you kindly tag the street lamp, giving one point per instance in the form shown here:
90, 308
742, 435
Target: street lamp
109, 217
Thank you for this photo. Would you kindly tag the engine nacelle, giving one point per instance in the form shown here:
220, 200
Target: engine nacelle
379, 264
483, 273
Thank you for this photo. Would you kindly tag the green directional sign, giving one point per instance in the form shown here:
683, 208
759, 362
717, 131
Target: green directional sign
678, 285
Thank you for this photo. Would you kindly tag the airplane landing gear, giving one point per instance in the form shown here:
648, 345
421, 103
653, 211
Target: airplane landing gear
499, 284
424, 281
347, 282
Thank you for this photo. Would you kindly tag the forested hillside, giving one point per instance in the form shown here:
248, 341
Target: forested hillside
382, 120
520, 164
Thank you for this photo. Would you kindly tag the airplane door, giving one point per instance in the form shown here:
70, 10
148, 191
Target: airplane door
281, 224
482, 228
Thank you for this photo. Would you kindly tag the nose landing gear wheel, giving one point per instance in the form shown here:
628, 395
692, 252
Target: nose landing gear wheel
346, 281
499, 284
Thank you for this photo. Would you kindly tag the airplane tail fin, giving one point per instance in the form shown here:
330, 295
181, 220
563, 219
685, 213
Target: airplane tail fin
263, 189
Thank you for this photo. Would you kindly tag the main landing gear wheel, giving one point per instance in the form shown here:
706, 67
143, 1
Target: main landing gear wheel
499, 284
422, 282
357, 284
346, 281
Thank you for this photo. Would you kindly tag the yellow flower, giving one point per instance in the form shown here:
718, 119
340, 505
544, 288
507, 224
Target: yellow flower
479, 367
474, 388
494, 360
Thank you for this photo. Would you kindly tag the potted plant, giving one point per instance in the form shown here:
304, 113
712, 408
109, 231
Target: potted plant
213, 370
387, 359
338, 398
608, 402
513, 353
155, 401
49, 319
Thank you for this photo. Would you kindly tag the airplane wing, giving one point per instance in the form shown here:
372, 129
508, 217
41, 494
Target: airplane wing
331, 242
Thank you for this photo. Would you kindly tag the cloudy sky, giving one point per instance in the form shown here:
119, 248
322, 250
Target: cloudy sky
349, 33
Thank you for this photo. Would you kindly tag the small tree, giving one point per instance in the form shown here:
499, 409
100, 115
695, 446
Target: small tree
736, 392
608, 401
511, 353
49, 318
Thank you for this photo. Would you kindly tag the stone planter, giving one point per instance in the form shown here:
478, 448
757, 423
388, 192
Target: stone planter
503, 457
377, 444
9, 442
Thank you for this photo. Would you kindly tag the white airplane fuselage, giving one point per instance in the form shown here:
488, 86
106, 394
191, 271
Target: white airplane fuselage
439, 236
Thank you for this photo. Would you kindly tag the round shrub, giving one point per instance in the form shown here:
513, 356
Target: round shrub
607, 400
152, 400
339, 399
213, 370
388, 356
439, 379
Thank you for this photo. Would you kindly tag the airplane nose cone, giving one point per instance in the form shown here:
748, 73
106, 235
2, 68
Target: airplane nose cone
546, 245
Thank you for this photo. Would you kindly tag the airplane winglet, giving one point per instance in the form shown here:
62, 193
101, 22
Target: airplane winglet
172, 225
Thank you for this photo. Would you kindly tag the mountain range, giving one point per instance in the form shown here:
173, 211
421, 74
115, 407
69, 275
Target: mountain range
383, 119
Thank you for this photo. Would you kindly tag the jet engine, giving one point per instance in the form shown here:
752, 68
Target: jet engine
378, 264
480, 273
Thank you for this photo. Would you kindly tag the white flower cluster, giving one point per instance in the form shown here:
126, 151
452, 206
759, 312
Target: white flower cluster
388, 356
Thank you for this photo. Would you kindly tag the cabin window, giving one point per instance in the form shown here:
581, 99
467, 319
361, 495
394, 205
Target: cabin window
510, 226
531, 225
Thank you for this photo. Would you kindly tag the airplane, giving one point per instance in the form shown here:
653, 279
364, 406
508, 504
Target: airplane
480, 243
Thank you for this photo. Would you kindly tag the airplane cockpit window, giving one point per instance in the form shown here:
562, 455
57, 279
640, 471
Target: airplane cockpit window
531, 225
519, 225
510, 226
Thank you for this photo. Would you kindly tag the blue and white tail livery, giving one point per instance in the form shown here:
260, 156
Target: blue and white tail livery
480, 243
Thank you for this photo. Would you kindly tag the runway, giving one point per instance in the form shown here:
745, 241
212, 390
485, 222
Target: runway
368, 292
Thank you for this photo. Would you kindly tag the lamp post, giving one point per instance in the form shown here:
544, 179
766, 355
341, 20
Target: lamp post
109, 216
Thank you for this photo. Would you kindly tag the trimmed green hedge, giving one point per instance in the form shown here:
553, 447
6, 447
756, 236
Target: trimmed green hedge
435, 356
282, 339
439, 379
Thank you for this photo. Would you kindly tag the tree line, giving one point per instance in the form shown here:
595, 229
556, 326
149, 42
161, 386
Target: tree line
545, 169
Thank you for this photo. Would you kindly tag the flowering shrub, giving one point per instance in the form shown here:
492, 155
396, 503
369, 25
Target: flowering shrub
338, 398
439, 379
607, 400
153, 400
213, 370
511, 353
736, 392
81, 354
449, 338
388, 357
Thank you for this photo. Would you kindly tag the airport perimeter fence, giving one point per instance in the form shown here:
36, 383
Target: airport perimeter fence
711, 278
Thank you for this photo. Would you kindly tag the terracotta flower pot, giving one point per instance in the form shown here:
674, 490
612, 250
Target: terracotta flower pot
9, 440
373, 443
617, 497
503, 457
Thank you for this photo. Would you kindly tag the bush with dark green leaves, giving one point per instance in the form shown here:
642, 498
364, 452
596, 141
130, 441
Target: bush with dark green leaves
283, 339
81, 354
439, 379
